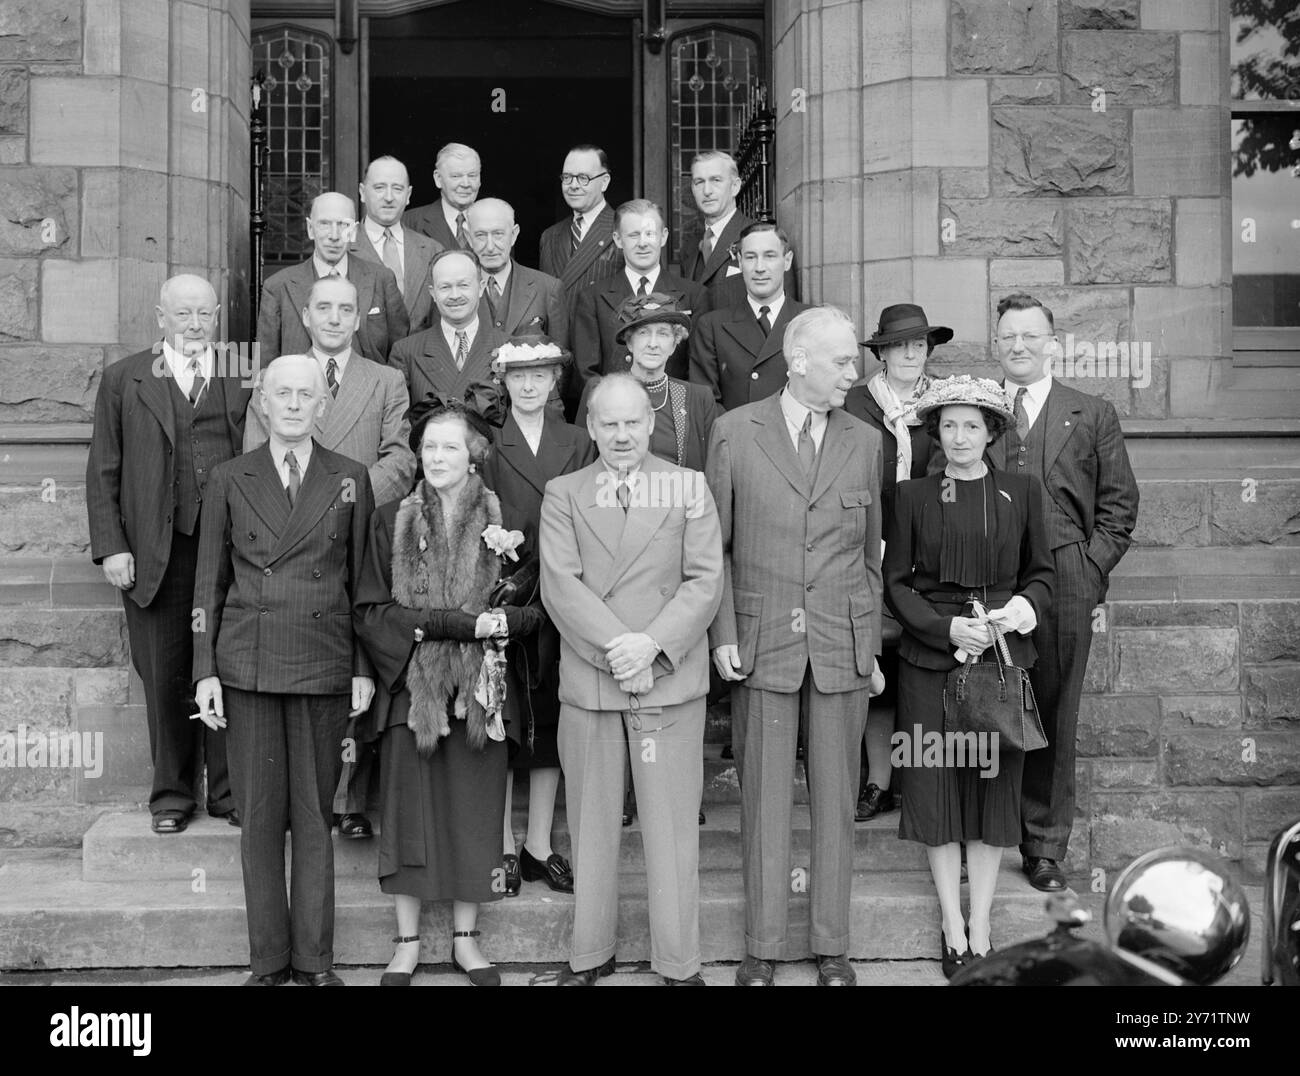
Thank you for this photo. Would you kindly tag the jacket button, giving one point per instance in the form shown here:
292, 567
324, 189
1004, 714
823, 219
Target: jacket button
315, 614
809, 587
753, 376
264, 610
252, 536
266, 571
315, 573
809, 547
810, 508
333, 536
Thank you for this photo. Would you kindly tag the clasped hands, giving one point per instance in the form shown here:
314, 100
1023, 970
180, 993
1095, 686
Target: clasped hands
629, 657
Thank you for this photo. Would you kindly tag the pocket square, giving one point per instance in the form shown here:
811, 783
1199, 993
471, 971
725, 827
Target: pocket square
733, 270
373, 310
536, 321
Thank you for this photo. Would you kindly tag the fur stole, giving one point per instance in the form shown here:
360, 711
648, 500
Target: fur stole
441, 567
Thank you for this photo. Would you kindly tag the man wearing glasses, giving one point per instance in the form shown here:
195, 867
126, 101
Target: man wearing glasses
579, 249
1072, 441
332, 228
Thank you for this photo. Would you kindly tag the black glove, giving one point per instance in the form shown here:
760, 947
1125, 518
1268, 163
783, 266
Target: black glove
522, 619
449, 624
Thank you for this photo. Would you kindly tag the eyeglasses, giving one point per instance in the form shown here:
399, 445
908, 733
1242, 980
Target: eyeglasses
580, 178
1030, 339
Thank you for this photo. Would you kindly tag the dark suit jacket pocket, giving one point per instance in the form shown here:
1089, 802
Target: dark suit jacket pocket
855, 502
749, 619
866, 633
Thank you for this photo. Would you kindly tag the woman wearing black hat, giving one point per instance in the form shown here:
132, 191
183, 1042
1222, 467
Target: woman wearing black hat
432, 561
530, 449
903, 342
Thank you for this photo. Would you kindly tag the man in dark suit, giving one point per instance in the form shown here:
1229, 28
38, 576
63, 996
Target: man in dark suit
640, 234
163, 419
458, 175
381, 239
579, 250
631, 571
332, 227
276, 663
1074, 444
364, 419
736, 352
797, 482
457, 350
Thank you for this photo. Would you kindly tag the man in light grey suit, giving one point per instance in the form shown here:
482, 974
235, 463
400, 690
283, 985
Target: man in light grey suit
797, 482
631, 568
385, 192
364, 420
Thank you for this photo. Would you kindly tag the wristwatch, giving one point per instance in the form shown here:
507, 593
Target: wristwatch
419, 635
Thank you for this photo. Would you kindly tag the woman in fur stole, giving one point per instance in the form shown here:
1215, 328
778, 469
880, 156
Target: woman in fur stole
422, 613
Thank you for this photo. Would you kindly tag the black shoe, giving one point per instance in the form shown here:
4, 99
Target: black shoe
355, 827
276, 978
695, 980
569, 977
727, 753
488, 976
873, 801
951, 960
316, 978
755, 971
835, 971
400, 978
170, 822
514, 880
231, 816
555, 872
1044, 874
701, 816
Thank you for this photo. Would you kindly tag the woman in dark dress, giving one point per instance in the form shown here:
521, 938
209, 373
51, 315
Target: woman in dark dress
422, 614
886, 401
967, 533
531, 448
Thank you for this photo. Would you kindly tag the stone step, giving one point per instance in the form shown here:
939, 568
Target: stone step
50, 917
121, 847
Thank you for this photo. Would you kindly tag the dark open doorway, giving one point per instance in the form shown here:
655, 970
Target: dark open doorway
567, 78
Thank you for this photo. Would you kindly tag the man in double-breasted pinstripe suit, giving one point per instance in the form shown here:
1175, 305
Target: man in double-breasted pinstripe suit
276, 663
797, 484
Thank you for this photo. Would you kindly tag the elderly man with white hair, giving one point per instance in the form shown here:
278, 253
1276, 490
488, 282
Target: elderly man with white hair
164, 418
797, 484
458, 175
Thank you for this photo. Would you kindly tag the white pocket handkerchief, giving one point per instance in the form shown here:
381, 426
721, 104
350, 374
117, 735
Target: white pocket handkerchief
373, 310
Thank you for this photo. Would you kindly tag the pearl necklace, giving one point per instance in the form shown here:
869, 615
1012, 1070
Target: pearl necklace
653, 387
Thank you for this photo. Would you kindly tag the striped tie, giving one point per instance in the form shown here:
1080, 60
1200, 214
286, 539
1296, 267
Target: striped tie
295, 477
198, 384
645, 284
390, 254
576, 230
332, 377
706, 249
765, 323
462, 349
462, 240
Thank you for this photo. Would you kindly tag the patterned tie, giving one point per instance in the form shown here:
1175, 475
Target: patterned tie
807, 447
462, 349
624, 496
765, 323
576, 230
390, 254
295, 477
706, 249
645, 285
198, 384
462, 240
1022, 419
332, 377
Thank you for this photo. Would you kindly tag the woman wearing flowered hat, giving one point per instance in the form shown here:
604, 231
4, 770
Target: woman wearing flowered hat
425, 611
532, 447
903, 341
967, 534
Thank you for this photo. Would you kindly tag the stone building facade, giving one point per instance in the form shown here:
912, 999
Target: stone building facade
937, 151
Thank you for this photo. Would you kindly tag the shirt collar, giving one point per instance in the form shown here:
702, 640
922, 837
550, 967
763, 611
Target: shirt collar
795, 412
502, 275
449, 333
718, 226
178, 363
301, 452
634, 277
375, 231
340, 360
590, 215
324, 270
1037, 392
449, 214
773, 305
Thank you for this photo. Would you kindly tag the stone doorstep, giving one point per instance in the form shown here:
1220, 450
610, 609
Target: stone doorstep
65, 583
51, 918
120, 847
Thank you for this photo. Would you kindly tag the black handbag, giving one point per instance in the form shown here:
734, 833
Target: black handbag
518, 588
994, 697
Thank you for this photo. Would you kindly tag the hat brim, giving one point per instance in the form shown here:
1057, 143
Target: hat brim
558, 361
934, 335
982, 402
668, 317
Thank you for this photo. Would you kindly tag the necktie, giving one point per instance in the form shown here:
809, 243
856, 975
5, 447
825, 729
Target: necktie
462, 348
807, 448
576, 230
333, 273
295, 477
462, 240
624, 495
494, 297
764, 321
706, 248
390, 254
332, 376
198, 384
644, 288
1022, 419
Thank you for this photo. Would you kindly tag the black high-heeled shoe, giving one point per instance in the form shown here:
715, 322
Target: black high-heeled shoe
400, 978
514, 880
952, 961
555, 871
488, 976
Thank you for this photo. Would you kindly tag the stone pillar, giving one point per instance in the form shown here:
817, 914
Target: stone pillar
124, 150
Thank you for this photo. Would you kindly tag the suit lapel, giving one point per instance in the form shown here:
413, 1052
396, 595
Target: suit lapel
521, 296
318, 490
835, 451
416, 264
298, 286
721, 254
644, 518
607, 521
260, 484
478, 363
360, 275
555, 451
775, 444
746, 331
156, 395
342, 412
515, 452
772, 345
1061, 416
599, 237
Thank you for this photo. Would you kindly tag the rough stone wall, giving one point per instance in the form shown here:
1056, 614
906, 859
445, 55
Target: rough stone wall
123, 160
950, 151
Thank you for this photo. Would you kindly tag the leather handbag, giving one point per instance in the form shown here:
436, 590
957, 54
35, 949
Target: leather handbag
994, 697
519, 588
